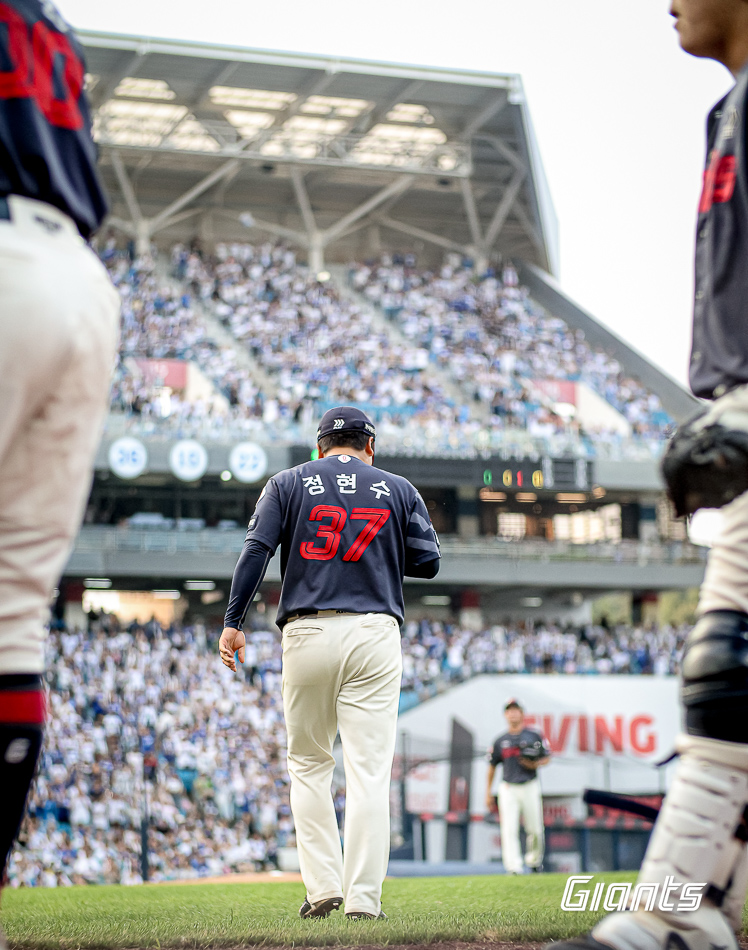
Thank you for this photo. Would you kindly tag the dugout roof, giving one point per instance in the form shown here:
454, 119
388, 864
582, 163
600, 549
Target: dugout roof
342, 157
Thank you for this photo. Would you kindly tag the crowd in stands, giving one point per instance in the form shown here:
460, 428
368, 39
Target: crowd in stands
320, 350
140, 711
497, 343
456, 374
158, 321
436, 655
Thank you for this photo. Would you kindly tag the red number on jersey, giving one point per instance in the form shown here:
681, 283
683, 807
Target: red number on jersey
331, 533
14, 84
47, 45
33, 57
375, 519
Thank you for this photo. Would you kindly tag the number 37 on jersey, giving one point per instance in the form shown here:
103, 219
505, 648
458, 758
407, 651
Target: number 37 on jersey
331, 521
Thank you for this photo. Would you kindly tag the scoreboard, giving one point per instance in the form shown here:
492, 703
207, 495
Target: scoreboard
545, 474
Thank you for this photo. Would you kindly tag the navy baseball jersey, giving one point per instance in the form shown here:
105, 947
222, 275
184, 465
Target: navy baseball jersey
719, 356
509, 748
348, 533
46, 149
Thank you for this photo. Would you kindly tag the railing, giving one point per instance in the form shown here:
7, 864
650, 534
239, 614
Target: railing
410, 439
95, 538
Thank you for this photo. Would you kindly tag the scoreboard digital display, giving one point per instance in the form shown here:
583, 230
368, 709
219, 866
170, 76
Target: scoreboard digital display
545, 474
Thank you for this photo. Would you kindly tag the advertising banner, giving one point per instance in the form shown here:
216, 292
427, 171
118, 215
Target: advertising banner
604, 732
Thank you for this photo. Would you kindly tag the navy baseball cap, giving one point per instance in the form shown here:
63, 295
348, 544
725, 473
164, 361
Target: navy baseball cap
345, 419
512, 704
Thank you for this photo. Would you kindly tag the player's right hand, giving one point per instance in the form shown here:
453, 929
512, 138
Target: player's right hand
231, 642
490, 802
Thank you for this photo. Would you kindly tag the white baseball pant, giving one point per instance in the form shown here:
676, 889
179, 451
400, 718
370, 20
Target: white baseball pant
342, 672
59, 317
725, 585
525, 799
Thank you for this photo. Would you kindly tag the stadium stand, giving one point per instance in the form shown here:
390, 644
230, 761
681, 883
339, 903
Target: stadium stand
146, 701
494, 339
317, 349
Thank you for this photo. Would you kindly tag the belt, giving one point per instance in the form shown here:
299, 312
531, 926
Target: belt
319, 613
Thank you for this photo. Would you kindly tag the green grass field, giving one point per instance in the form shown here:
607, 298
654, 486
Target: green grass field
421, 910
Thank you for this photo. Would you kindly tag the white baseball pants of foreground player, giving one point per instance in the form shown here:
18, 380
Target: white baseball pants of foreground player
59, 316
524, 799
342, 672
725, 585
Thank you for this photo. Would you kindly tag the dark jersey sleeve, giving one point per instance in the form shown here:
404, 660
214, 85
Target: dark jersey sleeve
494, 753
421, 541
538, 748
263, 537
248, 574
266, 524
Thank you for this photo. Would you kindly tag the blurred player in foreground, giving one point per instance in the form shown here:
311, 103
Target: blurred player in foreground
521, 752
348, 533
58, 334
701, 833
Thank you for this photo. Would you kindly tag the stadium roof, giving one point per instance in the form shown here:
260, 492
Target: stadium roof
342, 157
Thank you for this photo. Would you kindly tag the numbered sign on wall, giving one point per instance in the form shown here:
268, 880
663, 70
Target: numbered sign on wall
248, 462
128, 457
188, 460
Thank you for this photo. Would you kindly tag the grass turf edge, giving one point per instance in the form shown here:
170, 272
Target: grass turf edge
479, 911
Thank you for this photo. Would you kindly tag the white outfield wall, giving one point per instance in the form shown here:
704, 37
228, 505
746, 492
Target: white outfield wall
605, 732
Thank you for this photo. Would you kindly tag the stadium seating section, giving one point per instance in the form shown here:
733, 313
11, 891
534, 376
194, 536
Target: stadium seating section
448, 362
125, 702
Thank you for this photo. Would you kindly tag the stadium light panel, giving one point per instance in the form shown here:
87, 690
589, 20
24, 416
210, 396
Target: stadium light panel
250, 98
397, 144
192, 136
410, 113
126, 122
330, 106
199, 585
97, 583
248, 124
303, 136
532, 601
135, 88
305, 123
400, 133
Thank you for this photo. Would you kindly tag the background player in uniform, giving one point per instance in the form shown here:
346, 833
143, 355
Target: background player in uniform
348, 532
58, 334
701, 832
520, 752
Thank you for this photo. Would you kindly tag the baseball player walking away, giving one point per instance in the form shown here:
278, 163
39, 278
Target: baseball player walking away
348, 533
700, 835
58, 335
521, 752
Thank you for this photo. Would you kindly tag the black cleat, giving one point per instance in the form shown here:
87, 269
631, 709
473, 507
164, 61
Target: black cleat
360, 915
322, 908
